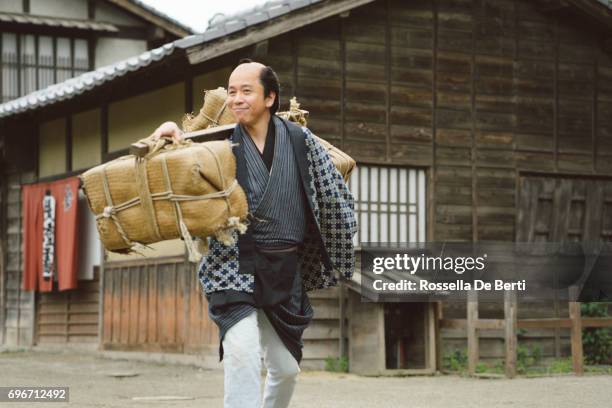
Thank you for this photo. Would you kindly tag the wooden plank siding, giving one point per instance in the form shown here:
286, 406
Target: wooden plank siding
155, 305
18, 304
158, 305
69, 316
478, 91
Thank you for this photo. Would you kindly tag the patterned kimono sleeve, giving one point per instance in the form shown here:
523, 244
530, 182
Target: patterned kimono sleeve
337, 207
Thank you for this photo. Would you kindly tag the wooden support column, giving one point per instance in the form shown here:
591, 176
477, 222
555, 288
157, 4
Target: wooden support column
342, 351
472, 331
438, 335
576, 336
510, 314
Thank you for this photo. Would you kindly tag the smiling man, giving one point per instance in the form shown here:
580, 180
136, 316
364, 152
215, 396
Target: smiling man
300, 233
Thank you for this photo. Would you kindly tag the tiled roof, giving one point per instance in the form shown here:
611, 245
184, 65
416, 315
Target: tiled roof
258, 14
89, 80
57, 22
220, 27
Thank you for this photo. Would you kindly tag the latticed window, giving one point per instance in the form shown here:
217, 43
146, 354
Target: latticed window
390, 204
30, 62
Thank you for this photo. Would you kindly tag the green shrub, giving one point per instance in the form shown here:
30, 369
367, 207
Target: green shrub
455, 360
527, 357
336, 364
561, 366
596, 342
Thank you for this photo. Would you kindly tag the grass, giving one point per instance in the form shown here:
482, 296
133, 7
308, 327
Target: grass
336, 364
529, 364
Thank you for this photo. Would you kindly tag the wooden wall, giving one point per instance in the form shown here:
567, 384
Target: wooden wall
69, 316
322, 339
158, 305
155, 305
479, 92
18, 305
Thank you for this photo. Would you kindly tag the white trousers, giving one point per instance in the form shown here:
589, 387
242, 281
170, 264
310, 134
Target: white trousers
243, 345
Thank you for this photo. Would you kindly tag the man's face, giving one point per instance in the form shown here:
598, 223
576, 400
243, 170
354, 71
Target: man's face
245, 94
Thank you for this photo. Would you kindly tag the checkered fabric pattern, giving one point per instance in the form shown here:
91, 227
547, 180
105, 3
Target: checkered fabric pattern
334, 215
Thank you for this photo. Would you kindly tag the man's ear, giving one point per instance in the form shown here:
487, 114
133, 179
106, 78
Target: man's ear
270, 99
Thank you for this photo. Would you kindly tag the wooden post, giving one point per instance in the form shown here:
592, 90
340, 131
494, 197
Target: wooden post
430, 345
101, 287
438, 337
575, 317
510, 314
342, 352
472, 331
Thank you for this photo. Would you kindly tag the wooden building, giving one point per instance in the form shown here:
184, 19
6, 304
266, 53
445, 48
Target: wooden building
471, 120
44, 43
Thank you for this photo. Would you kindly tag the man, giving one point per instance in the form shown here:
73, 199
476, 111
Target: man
301, 228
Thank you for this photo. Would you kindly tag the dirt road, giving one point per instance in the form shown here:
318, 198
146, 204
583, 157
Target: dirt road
99, 382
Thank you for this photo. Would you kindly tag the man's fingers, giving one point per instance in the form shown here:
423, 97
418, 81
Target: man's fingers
167, 130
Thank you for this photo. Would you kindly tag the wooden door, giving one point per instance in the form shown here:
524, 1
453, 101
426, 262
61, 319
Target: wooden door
560, 209
555, 209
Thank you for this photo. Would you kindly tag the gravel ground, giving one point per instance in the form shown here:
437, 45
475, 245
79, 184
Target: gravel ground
93, 383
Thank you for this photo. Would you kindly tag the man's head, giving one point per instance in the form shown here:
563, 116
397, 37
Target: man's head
253, 92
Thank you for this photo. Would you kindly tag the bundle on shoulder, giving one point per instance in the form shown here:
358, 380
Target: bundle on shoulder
179, 189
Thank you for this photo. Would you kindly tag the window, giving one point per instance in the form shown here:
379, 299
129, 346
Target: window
389, 204
30, 62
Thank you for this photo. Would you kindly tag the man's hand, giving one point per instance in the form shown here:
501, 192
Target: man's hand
168, 129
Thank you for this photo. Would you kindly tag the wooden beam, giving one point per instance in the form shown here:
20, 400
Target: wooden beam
431, 338
472, 331
594, 10
545, 323
216, 133
541, 323
3, 258
438, 336
272, 28
596, 322
576, 336
510, 314
552, 6
342, 350
481, 324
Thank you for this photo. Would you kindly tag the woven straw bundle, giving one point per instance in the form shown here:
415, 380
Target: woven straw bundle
177, 190
214, 112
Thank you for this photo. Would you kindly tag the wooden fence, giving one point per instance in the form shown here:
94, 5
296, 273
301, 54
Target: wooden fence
510, 324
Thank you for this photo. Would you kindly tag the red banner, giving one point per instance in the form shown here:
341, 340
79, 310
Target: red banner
66, 197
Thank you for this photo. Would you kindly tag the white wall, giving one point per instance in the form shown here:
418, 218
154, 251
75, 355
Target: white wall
59, 8
107, 13
111, 50
89, 246
11, 6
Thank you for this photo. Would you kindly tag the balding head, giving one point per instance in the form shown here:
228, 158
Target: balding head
266, 76
249, 66
252, 92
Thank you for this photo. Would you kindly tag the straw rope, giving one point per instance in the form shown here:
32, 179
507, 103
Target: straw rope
146, 199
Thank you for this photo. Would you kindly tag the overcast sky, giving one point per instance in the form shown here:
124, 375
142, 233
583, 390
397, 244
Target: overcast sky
196, 13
